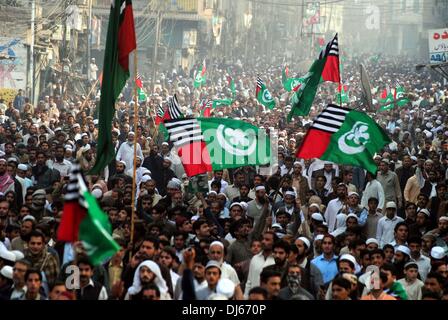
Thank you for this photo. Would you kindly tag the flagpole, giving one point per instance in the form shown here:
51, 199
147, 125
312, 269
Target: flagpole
134, 169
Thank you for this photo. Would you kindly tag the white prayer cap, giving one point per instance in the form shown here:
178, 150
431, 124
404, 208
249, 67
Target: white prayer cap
391, 204
122, 162
372, 240
76, 125
22, 167
146, 178
352, 215
290, 193
438, 253
443, 218
319, 237
86, 148
244, 205
165, 144
84, 135
425, 211
317, 216
212, 192
305, 241
236, 204
7, 272
314, 205
217, 243
353, 194
404, 249
258, 188
348, 257
131, 133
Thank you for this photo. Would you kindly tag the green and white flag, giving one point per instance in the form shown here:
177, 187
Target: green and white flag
200, 79
263, 95
344, 136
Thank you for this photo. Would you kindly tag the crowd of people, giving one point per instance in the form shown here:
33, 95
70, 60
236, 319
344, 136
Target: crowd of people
312, 230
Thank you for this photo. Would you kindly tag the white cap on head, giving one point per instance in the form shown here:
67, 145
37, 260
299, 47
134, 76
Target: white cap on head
319, 237
352, 215
305, 241
290, 193
7, 272
258, 188
348, 257
372, 240
443, 218
438, 253
391, 204
146, 178
315, 205
353, 194
236, 204
425, 211
217, 243
165, 144
317, 216
22, 167
404, 249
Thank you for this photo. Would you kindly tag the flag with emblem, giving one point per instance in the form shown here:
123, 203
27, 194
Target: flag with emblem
263, 95
386, 99
303, 98
206, 108
200, 79
120, 42
291, 84
344, 136
83, 220
330, 54
140, 92
206, 144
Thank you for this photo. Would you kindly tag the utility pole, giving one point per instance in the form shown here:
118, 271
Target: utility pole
64, 46
31, 63
89, 39
156, 47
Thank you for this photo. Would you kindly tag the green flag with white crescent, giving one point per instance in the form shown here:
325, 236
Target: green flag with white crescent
263, 95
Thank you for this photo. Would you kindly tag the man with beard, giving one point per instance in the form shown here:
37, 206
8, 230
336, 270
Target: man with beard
311, 276
256, 207
126, 151
6, 182
38, 209
148, 272
390, 183
149, 185
62, 165
335, 205
216, 253
280, 250
21, 242
244, 194
40, 258
85, 158
18, 277
89, 289
294, 280
158, 215
438, 204
43, 175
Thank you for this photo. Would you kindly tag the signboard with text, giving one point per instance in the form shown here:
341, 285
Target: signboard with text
438, 45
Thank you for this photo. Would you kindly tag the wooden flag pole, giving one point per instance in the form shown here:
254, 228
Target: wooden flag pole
134, 169
90, 92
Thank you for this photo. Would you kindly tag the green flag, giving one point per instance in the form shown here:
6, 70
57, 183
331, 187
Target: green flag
290, 84
356, 142
222, 102
386, 99
263, 95
95, 232
303, 98
200, 79
399, 94
115, 75
342, 96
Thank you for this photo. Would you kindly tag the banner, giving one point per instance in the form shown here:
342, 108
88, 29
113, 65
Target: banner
438, 45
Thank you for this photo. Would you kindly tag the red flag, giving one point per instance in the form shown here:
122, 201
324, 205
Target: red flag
331, 70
